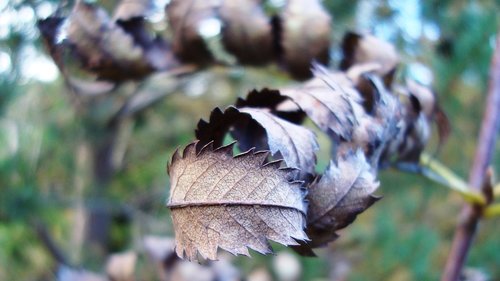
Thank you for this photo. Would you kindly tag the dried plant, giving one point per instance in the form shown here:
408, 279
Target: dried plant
272, 190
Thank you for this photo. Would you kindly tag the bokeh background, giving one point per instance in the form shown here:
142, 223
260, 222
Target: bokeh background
49, 143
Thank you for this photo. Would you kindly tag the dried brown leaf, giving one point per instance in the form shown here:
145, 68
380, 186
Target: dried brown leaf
306, 28
370, 135
122, 48
105, 48
343, 191
259, 128
422, 98
377, 128
296, 144
231, 202
419, 110
360, 77
185, 18
327, 102
49, 29
417, 129
426, 101
111, 50
359, 49
247, 31
157, 52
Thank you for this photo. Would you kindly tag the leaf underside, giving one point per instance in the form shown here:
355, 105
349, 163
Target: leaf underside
231, 202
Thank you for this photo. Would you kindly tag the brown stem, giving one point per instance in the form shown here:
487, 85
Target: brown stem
471, 214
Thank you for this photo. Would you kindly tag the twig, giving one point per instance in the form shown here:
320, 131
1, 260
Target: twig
144, 99
471, 214
437, 172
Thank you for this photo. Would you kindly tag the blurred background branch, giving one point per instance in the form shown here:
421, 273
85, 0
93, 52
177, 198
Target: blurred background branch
479, 180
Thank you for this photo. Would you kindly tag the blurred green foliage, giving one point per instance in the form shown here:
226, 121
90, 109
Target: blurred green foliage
406, 236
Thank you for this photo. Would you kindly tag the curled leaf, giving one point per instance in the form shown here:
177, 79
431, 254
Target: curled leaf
306, 28
360, 49
112, 49
378, 120
343, 191
231, 202
295, 143
258, 128
419, 110
247, 31
105, 47
123, 48
327, 102
185, 18
425, 100
157, 52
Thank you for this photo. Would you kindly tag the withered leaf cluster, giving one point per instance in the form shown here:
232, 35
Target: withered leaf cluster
272, 190
234, 202
115, 49
122, 47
